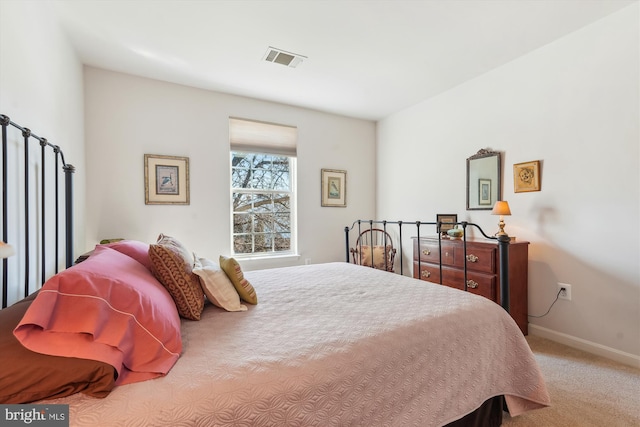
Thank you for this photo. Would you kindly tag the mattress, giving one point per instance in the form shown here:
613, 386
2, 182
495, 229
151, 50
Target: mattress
333, 344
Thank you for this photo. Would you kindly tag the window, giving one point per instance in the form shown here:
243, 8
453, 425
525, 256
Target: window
262, 188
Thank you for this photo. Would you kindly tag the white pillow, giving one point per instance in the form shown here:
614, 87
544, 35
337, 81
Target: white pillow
216, 285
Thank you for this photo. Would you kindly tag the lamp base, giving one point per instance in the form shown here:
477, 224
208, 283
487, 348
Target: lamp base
501, 231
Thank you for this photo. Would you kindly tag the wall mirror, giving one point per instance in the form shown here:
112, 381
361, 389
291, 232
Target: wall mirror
484, 188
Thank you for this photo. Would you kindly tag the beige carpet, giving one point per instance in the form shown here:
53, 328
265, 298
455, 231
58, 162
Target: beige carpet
586, 390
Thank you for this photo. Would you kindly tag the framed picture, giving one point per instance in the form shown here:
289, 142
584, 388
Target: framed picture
484, 192
526, 176
334, 188
446, 222
166, 180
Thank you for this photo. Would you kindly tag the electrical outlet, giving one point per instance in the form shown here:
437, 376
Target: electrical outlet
307, 261
565, 291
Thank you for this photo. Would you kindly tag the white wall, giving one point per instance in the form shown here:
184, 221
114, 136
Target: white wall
41, 88
127, 117
573, 105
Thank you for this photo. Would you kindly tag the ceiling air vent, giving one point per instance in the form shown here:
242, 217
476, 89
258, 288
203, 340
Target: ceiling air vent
279, 56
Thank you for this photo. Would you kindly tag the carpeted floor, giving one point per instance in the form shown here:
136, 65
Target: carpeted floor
586, 390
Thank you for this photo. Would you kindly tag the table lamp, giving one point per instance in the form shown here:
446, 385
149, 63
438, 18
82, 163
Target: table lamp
501, 208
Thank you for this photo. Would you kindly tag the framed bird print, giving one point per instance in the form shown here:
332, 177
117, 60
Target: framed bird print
334, 188
166, 180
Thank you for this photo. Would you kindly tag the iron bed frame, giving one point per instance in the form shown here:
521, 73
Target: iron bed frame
49, 154
503, 247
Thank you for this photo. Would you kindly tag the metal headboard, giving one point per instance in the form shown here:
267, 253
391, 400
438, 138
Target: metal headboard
503, 247
50, 154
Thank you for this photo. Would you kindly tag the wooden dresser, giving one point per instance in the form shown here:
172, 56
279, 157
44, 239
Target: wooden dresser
483, 270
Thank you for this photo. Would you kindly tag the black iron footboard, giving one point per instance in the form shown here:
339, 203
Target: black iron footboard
423, 227
29, 182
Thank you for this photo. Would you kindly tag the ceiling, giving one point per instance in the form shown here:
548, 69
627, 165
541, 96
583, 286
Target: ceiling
365, 58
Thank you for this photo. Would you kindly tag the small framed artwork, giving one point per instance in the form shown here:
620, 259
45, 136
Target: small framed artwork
526, 176
334, 188
484, 192
166, 180
446, 222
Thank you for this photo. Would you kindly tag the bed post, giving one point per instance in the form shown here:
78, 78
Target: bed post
400, 239
419, 275
56, 151
26, 134
4, 121
346, 240
43, 213
68, 208
503, 247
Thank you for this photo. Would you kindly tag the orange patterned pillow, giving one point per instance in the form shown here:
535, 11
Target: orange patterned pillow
173, 267
233, 271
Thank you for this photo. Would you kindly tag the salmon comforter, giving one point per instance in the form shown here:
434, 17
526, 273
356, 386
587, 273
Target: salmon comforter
333, 345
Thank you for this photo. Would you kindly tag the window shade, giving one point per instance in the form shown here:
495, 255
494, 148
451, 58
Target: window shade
261, 137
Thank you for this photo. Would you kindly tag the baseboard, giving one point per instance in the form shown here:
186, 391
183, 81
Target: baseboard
588, 346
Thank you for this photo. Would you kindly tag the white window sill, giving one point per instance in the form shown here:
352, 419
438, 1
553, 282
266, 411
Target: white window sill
253, 262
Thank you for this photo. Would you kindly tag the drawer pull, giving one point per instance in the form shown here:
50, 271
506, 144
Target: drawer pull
426, 252
471, 284
472, 258
426, 274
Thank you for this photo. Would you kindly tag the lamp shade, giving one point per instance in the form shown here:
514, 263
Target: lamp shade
6, 250
501, 208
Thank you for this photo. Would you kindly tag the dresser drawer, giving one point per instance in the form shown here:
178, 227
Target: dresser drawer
430, 252
477, 283
428, 272
479, 258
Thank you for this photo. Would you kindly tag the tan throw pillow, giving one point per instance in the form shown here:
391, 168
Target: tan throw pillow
217, 286
173, 267
378, 256
233, 271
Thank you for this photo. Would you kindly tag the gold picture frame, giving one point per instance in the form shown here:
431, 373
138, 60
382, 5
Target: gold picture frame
526, 176
334, 188
166, 180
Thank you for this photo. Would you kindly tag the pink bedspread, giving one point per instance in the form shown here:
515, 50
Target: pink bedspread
334, 345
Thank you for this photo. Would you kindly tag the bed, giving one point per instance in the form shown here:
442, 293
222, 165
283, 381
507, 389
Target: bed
317, 345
